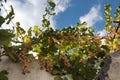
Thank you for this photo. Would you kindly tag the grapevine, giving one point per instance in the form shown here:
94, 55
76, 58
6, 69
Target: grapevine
72, 50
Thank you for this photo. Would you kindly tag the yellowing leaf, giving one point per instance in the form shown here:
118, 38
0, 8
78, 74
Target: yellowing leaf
118, 18
84, 56
26, 39
36, 29
76, 54
115, 43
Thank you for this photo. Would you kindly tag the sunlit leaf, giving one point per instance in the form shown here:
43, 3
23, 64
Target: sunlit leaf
36, 29
26, 39
115, 43
118, 19
117, 13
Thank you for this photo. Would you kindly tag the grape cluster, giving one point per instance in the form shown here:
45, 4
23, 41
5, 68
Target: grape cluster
25, 59
46, 63
65, 61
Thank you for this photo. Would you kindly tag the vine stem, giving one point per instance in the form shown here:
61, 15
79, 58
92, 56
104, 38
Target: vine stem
16, 41
118, 25
117, 28
7, 14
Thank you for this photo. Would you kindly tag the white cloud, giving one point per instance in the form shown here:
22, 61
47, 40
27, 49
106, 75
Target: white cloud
29, 12
62, 5
102, 33
92, 16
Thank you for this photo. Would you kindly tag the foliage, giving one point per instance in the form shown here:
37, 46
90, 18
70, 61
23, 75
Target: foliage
72, 50
113, 30
3, 74
5, 36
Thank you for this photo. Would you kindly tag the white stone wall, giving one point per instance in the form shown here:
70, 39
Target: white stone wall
15, 71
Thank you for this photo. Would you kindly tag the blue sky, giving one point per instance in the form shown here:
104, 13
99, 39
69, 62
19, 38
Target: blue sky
68, 12
80, 8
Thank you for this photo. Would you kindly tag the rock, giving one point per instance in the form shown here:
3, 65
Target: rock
111, 68
15, 71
